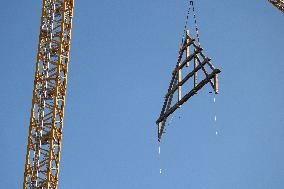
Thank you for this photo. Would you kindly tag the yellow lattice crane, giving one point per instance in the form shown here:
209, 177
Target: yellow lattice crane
49, 94
278, 4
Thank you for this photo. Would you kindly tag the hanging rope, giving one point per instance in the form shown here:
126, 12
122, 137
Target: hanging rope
191, 6
195, 22
185, 25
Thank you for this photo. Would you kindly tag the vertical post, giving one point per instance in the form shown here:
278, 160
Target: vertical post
187, 48
179, 79
195, 74
216, 84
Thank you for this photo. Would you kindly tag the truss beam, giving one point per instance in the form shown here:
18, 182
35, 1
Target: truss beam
279, 4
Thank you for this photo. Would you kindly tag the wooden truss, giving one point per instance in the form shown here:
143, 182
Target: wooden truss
190, 57
278, 4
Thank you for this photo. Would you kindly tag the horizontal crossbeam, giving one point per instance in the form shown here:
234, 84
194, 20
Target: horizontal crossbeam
188, 95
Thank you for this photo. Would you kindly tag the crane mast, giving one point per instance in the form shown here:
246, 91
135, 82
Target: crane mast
49, 94
278, 4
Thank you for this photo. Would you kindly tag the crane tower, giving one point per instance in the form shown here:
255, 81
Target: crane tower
49, 94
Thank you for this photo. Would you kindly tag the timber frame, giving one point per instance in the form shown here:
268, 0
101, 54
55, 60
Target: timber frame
200, 62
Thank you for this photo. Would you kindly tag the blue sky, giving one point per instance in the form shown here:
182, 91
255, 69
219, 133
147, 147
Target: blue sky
122, 55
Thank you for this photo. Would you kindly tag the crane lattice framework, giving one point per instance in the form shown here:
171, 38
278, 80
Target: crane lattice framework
47, 112
278, 4
191, 60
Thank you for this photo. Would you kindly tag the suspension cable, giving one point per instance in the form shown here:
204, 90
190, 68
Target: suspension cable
195, 22
191, 6
185, 25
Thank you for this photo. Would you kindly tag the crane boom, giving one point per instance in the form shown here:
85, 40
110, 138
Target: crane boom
49, 93
278, 4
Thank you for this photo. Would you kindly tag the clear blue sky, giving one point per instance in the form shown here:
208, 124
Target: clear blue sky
122, 54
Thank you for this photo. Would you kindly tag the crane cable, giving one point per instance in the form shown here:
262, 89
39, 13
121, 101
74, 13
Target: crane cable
195, 22
185, 25
191, 6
